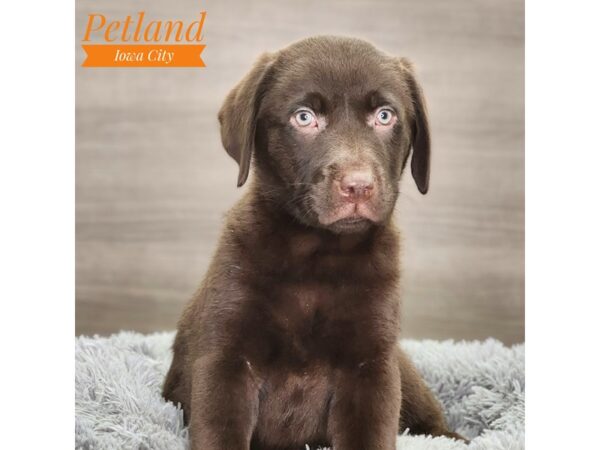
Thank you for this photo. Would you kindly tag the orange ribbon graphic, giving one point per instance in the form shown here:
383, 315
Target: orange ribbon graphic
184, 55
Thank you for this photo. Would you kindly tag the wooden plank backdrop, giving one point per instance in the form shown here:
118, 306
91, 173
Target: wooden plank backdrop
153, 181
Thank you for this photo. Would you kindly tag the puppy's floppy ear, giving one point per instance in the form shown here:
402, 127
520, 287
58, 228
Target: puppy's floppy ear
421, 144
238, 115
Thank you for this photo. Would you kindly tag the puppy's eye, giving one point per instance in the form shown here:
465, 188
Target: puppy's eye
384, 116
305, 118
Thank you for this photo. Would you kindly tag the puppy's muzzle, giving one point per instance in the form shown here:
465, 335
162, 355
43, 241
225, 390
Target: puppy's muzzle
356, 186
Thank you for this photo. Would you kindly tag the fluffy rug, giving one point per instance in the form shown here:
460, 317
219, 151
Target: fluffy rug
118, 403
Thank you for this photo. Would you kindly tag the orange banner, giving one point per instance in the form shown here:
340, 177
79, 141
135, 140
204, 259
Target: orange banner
143, 55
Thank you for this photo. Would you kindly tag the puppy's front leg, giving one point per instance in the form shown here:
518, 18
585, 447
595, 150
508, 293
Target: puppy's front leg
224, 407
365, 407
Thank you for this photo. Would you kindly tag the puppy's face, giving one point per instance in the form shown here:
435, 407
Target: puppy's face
332, 122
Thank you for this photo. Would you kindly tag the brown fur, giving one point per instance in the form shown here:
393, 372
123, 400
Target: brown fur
292, 336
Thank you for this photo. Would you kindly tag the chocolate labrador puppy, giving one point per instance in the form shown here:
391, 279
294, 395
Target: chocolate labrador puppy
292, 338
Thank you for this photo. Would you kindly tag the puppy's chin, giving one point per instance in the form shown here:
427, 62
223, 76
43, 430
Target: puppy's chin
341, 218
349, 218
350, 225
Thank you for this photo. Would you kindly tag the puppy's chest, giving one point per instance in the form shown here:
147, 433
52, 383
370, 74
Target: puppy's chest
303, 307
307, 321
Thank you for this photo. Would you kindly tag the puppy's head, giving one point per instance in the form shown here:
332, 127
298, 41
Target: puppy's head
330, 123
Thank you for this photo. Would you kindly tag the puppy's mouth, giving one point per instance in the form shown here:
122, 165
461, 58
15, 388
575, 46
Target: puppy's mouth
349, 217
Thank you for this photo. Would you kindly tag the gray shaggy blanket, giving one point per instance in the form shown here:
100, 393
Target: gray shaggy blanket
118, 403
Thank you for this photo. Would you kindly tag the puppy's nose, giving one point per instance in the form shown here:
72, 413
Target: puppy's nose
357, 186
